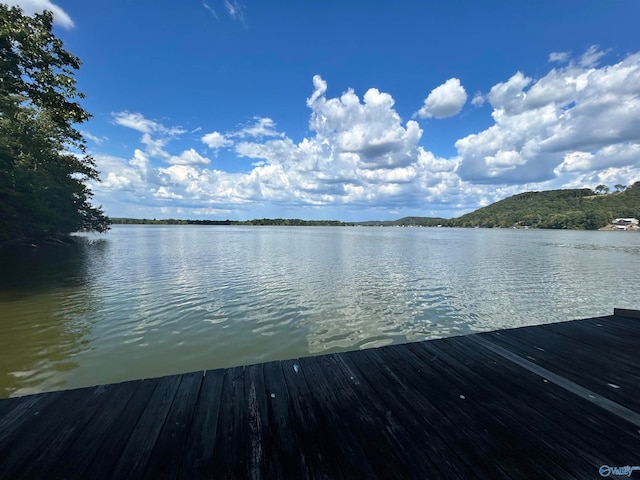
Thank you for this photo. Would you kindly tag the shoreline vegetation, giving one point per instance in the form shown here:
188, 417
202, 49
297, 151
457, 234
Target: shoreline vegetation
44, 163
576, 209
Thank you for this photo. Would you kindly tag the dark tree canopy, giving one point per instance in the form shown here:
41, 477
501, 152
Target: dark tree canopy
44, 166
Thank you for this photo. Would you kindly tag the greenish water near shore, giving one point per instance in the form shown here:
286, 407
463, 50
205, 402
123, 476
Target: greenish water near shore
144, 301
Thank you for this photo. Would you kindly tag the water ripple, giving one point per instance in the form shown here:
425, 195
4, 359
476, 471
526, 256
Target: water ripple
158, 300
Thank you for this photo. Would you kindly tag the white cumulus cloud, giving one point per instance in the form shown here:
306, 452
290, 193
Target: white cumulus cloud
164, 192
444, 101
261, 127
216, 140
371, 130
569, 120
360, 152
155, 135
577, 125
189, 157
478, 99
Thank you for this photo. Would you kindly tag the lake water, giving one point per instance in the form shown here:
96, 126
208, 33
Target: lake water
145, 301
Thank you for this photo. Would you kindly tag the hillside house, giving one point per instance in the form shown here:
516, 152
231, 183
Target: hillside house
626, 222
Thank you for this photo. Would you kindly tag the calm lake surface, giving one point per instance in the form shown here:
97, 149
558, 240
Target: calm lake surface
145, 301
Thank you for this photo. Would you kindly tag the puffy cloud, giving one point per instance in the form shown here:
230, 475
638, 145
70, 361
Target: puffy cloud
371, 130
572, 119
478, 100
444, 101
155, 146
164, 192
125, 179
576, 126
30, 7
261, 127
319, 89
360, 152
189, 157
509, 96
611, 156
155, 136
216, 140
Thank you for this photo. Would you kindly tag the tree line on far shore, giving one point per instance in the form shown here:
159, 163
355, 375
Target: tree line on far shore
258, 221
576, 209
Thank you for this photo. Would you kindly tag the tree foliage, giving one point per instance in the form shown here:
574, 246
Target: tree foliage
44, 166
563, 209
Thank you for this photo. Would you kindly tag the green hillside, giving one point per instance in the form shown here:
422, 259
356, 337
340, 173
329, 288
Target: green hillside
565, 209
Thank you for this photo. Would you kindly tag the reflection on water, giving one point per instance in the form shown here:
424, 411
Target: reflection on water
29, 269
46, 312
153, 300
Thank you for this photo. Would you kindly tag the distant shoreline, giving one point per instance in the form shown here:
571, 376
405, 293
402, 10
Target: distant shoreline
262, 221
332, 223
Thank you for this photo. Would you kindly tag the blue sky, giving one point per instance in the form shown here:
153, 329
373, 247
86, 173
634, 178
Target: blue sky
351, 110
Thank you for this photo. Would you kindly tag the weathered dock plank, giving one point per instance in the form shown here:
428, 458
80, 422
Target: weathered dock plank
142, 440
197, 460
30, 440
485, 409
587, 424
164, 461
550, 401
593, 369
285, 445
229, 448
59, 440
113, 443
414, 420
329, 407
462, 450
374, 426
86, 445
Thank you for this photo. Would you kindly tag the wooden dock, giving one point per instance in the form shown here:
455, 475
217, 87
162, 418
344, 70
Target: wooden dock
550, 401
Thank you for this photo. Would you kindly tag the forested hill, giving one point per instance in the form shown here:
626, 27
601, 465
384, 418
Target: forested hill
567, 209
